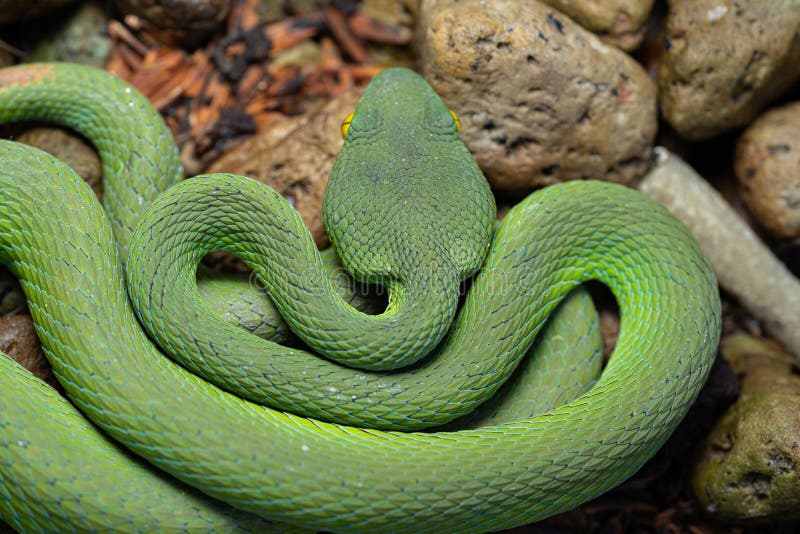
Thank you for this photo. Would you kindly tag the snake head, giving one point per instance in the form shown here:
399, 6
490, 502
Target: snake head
404, 192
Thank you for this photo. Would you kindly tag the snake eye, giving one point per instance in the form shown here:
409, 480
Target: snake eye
346, 124
455, 118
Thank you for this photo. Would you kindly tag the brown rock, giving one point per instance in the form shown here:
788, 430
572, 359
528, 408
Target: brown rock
541, 100
725, 60
767, 166
18, 340
186, 17
295, 158
617, 22
749, 466
14, 10
70, 149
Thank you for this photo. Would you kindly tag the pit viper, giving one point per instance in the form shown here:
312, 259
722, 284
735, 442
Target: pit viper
338, 441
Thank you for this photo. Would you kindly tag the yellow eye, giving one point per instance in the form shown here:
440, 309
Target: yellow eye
455, 118
346, 125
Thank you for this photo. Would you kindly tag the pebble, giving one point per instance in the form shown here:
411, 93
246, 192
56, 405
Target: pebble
185, 21
723, 62
541, 99
621, 23
767, 160
749, 468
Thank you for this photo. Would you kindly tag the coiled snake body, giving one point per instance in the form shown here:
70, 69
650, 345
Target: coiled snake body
406, 207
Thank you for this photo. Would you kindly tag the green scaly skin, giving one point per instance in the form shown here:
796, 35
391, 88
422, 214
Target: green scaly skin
304, 472
241, 299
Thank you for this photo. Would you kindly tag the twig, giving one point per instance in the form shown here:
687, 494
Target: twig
744, 265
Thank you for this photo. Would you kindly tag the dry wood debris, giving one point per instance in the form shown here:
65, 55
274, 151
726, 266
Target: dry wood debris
231, 87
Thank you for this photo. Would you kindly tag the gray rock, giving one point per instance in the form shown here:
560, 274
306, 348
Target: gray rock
80, 38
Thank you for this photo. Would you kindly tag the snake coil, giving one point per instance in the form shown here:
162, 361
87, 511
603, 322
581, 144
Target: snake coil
276, 469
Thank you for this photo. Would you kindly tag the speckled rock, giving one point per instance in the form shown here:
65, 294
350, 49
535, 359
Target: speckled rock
81, 38
295, 158
14, 10
750, 463
541, 99
182, 15
617, 22
70, 149
767, 166
18, 340
725, 60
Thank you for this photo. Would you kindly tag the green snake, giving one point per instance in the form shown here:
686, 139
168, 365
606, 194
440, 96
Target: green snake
406, 208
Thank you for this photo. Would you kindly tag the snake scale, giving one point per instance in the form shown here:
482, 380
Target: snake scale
406, 208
